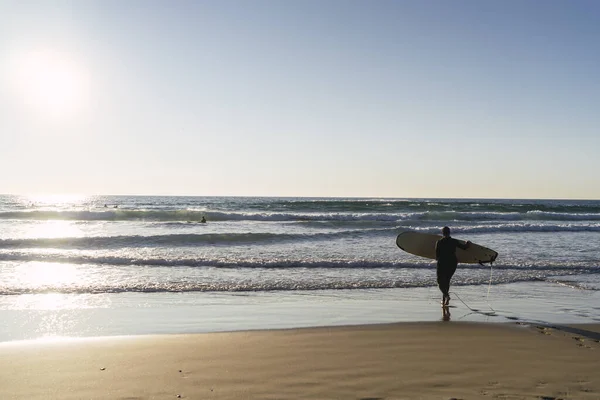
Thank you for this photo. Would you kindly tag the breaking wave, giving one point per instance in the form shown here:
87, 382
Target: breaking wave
196, 216
266, 285
201, 262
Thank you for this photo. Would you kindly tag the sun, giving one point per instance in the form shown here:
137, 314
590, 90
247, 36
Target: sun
51, 82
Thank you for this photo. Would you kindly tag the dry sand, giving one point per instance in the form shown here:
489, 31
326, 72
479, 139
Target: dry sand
398, 361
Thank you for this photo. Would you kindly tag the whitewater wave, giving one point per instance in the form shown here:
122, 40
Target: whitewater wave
196, 216
511, 227
573, 284
566, 268
268, 285
534, 215
501, 206
262, 238
181, 287
178, 240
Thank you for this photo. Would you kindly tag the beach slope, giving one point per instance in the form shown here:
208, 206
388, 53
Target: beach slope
395, 361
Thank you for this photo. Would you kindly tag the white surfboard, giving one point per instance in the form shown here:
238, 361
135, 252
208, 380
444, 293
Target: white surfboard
423, 244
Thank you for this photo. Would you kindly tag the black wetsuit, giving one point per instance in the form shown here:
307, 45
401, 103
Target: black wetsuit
445, 254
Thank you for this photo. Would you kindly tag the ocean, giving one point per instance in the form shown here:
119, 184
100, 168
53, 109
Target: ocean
75, 266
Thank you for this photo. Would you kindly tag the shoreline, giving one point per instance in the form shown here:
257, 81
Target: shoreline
587, 330
52, 315
419, 360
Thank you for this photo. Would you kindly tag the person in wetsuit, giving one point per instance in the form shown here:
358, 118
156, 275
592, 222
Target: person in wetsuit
445, 254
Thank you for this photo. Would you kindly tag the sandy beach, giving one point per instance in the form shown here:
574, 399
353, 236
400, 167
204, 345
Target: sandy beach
431, 360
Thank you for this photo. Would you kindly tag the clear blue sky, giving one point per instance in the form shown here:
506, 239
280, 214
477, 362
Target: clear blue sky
301, 98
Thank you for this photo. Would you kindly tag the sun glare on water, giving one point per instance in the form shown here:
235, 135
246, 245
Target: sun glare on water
50, 82
55, 200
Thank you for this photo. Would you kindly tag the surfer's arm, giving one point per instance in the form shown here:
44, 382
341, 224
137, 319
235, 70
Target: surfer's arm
437, 251
463, 246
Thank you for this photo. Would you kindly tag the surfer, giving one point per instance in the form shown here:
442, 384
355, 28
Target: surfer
445, 255
203, 220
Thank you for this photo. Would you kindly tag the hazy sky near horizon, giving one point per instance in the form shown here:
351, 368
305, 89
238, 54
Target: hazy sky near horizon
301, 98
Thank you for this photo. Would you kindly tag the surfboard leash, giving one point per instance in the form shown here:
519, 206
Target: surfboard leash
489, 287
475, 310
487, 298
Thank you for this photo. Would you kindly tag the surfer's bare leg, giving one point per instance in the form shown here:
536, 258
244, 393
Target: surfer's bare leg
445, 271
451, 271
443, 281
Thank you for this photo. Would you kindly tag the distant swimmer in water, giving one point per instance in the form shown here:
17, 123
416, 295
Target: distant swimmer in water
116, 206
203, 220
445, 254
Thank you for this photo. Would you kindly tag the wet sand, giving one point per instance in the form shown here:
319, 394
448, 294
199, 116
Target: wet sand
430, 360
